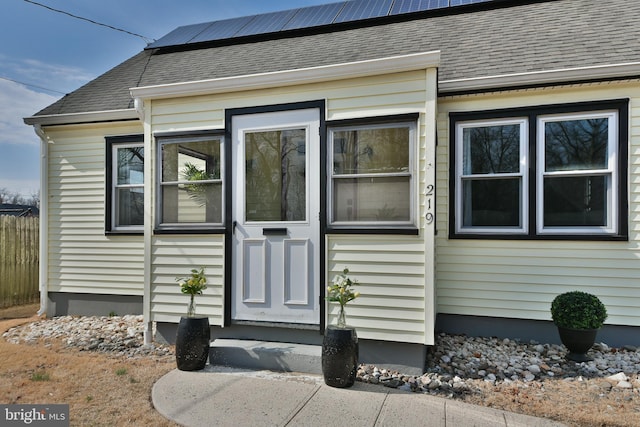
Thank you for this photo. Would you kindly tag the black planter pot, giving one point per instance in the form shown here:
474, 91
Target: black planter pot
192, 343
578, 342
339, 356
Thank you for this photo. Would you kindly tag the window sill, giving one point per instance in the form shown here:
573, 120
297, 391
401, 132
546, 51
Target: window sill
124, 232
189, 230
574, 237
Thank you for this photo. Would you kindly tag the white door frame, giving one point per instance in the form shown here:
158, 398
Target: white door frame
266, 246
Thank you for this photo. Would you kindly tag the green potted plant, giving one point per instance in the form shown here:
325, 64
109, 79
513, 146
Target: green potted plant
578, 316
340, 343
193, 334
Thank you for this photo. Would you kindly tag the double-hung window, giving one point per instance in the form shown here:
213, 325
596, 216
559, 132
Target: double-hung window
577, 174
493, 176
190, 172
125, 192
541, 172
371, 174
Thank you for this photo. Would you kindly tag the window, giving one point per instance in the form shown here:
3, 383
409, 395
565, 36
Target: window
577, 173
125, 193
190, 177
542, 172
371, 175
493, 178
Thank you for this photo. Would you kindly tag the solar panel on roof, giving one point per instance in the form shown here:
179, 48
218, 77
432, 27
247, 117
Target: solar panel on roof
408, 6
180, 35
364, 9
463, 2
220, 30
307, 17
267, 23
314, 16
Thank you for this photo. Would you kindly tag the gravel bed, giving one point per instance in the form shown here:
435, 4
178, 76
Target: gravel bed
454, 365
119, 336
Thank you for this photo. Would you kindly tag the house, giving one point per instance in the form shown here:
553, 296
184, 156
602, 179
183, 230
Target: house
11, 209
467, 162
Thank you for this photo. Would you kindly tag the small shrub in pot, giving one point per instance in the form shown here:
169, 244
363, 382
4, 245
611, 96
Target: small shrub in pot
578, 316
578, 310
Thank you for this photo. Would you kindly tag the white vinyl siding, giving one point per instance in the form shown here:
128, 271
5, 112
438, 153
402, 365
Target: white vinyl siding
519, 279
81, 258
390, 268
175, 256
390, 273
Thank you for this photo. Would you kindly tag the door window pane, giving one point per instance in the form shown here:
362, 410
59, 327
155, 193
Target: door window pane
275, 175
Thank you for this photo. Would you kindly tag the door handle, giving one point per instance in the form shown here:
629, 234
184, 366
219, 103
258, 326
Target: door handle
234, 224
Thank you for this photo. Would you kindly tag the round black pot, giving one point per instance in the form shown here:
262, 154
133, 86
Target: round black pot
192, 343
578, 342
339, 356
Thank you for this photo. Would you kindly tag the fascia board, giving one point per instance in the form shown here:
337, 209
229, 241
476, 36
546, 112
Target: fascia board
79, 118
394, 64
599, 72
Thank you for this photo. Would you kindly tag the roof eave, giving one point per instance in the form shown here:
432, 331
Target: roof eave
387, 65
539, 78
82, 118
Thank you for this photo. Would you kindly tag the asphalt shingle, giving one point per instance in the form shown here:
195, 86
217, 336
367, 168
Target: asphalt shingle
525, 37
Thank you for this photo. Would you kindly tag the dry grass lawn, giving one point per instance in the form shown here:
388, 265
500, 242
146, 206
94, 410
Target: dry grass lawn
100, 390
109, 391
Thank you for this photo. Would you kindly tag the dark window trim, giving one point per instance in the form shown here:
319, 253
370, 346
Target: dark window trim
411, 230
532, 114
228, 118
186, 228
400, 230
364, 121
110, 141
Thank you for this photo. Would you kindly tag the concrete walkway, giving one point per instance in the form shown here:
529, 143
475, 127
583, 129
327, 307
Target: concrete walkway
219, 396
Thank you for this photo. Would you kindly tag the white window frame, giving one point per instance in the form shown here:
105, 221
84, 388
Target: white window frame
522, 174
161, 141
611, 171
411, 173
115, 226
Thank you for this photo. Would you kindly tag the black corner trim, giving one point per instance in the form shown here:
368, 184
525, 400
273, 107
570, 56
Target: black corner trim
396, 118
187, 134
404, 231
123, 233
186, 230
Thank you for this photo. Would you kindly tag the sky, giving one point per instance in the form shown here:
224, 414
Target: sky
45, 54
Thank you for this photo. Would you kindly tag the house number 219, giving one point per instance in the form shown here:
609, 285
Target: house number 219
429, 217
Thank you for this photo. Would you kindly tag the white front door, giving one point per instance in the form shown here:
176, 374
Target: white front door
276, 224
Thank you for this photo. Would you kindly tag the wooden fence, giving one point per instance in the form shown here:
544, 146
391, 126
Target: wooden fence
18, 260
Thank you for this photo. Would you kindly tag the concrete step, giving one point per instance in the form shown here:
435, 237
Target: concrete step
264, 355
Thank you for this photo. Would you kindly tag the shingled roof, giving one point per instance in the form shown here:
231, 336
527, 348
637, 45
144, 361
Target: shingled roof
510, 37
